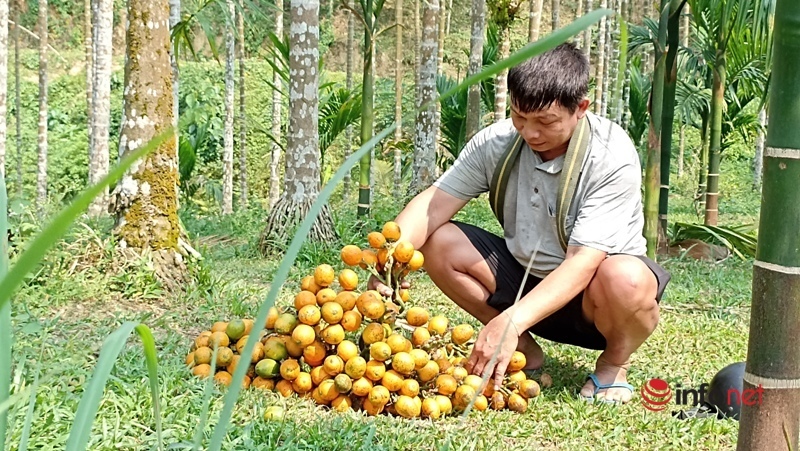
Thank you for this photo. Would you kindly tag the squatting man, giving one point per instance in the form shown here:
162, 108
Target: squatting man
594, 288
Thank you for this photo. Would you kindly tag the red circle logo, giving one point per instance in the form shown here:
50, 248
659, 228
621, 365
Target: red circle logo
656, 394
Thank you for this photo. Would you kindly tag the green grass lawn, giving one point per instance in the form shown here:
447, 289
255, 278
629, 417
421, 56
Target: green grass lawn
81, 295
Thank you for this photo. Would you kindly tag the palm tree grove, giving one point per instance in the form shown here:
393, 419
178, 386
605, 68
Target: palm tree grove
399, 224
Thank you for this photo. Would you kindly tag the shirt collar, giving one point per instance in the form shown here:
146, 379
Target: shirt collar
553, 166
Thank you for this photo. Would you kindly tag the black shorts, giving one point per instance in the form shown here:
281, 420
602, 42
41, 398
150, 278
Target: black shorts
566, 325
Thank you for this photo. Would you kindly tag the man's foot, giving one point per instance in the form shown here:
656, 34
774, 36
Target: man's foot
534, 356
607, 373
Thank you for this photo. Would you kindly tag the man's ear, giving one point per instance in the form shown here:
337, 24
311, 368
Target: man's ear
582, 107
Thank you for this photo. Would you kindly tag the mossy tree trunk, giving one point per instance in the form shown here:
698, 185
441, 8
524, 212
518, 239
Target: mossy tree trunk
145, 201
555, 6
478, 23
425, 129
773, 366
301, 182
101, 100
274, 163
41, 168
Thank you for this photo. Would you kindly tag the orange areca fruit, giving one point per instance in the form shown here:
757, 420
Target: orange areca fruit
348, 280
361, 386
416, 262
308, 284
376, 240
517, 362
332, 312
333, 365
368, 258
303, 335
351, 255
325, 296
446, 384
373, 333
290, 369
403, 252
310, 314
391, 231
333, 334
347, 299
347, 350
417, 316
356, 367
304, 298
351, 321
324, 275
403, 363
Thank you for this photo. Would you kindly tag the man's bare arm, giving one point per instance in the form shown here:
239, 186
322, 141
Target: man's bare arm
428, 211
559, 287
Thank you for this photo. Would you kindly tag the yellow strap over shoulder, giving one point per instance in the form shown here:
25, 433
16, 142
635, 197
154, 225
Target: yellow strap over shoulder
570, 175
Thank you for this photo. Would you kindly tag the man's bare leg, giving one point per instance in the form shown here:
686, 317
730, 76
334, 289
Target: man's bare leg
620, 300
459, 270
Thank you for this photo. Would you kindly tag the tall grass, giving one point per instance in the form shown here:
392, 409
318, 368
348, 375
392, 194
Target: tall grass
114, 343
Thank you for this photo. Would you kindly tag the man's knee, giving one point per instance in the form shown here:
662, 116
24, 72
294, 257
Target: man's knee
625, 282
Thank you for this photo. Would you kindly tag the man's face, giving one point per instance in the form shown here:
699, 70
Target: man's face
547, 129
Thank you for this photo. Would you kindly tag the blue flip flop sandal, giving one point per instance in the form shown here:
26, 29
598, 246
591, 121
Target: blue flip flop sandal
598, 386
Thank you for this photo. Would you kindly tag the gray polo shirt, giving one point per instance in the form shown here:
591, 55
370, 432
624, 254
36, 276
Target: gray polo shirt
606, 213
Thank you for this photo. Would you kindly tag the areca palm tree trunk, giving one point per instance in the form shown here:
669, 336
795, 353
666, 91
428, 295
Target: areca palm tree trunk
17, 100
685, 25
301, 183
478, 20
587, 33
773, 366
501, 80
145, 201
668, 113
88, 47
715, 144
275, 155
242, 112
349, 83
702, 161
555, 5
367, 107
227, 138
398, 97
41, 169
174, 18
534, 20
3, 85
101, 101
600, 68
425, 127
758, 160
653, 169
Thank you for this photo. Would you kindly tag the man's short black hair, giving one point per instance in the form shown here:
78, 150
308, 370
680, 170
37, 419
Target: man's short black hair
560, 75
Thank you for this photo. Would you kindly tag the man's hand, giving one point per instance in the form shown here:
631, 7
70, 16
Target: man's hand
375, 284
499, 335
